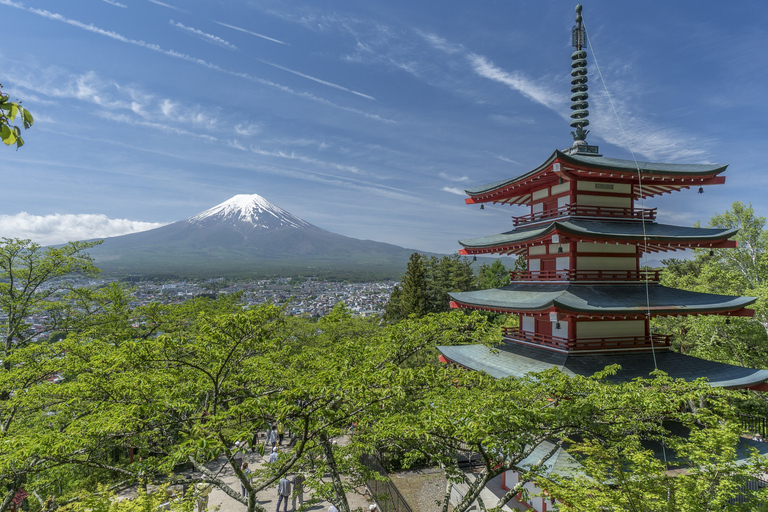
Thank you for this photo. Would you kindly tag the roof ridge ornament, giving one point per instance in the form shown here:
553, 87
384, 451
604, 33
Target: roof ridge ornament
579, 89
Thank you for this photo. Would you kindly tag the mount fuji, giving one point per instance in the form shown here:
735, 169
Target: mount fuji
248, 236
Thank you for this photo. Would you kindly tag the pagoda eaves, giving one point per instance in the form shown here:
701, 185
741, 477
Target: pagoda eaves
652, 179
651, 237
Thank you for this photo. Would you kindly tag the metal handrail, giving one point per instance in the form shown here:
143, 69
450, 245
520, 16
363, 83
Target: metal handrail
587, 344
585, 275
573, 210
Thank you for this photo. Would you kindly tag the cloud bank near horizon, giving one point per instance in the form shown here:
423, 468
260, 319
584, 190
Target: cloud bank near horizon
62, 228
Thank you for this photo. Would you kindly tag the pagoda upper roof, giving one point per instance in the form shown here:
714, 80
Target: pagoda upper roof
600, 300
658, 236
656, 178
515, 360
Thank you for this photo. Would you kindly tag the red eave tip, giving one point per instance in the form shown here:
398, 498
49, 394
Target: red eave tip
453, 305
469, 200
463, 252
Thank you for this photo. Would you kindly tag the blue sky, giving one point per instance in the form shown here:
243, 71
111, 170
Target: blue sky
364, 118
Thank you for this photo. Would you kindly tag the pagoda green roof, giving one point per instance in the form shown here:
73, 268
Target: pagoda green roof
515, 360
614, 164
618, 230
600, 299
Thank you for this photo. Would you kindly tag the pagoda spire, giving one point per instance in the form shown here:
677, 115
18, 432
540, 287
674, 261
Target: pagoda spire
579, 88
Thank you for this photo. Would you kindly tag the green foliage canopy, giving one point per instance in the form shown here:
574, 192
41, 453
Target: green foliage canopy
9, 111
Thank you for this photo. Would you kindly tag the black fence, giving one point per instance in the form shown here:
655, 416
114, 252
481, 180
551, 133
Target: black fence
384, 491
754, 424
750, 486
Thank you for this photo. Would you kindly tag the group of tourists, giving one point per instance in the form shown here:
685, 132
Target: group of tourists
274, 439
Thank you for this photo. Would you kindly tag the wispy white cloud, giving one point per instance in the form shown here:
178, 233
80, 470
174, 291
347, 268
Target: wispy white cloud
92, 88
643, 136
183, 56
62, 228
164, 127
506, 159
315, 79
168, 6
205, 36
247, 129
250, 32
454, 190
305, 159
453, 178
516, 80
115, 3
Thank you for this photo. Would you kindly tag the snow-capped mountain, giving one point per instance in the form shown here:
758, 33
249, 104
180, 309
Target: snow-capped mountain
247, 235
251, 209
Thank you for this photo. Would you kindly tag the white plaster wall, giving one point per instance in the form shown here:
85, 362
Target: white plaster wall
529, 324
562, 263
612, 248
559, 189
534, 264
538, 194
537, 249
590, 200
610, 328
562, 332
619, 188
553, 248
605, 263
537, 207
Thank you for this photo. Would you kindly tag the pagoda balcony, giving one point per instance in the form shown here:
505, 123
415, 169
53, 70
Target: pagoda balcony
587, 345
586, 275
600, 212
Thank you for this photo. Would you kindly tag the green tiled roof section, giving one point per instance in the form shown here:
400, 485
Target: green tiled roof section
606, 298
620, 230
647, 167
690, 170
499, 184
513, 360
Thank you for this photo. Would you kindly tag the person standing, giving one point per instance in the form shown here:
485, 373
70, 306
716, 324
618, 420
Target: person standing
298, 491
247, 473
273, 455
237, 455
283, 492
202, 490
272, 436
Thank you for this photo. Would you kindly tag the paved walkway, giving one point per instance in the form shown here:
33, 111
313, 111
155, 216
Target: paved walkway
268, 497
219, 500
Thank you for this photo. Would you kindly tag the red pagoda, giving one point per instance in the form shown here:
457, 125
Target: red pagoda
584, 301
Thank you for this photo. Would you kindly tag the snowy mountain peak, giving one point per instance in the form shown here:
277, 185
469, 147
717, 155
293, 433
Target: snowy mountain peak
252, 209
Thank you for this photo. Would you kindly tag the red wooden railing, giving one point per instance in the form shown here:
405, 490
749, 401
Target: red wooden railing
616, 343
572, 210
585, 275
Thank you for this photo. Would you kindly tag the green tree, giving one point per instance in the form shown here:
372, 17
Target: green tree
190, 393
425, 286
32, 286
411, 296
736, 271
9, 111
492, 276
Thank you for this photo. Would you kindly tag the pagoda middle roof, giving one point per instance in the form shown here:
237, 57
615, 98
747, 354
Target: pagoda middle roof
599, 229
609, 164
515, 360
599, 299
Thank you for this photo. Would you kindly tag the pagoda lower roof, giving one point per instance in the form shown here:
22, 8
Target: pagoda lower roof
573, 166
514, 360
600, 230
600, 300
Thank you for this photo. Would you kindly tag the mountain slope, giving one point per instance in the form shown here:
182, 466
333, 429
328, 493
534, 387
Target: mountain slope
248, 236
